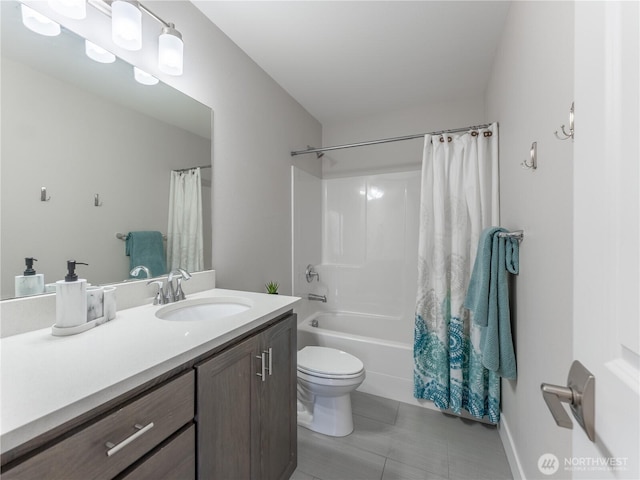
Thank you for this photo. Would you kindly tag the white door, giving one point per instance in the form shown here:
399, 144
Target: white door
606, 242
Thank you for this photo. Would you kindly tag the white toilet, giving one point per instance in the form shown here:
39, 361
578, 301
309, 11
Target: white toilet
326, 378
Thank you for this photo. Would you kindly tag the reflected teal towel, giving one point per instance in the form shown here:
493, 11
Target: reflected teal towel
488, 299
146, 248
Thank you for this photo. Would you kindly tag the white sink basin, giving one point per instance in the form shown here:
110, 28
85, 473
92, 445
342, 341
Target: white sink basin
204, 309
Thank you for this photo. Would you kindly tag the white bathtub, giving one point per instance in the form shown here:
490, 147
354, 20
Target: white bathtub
384, 344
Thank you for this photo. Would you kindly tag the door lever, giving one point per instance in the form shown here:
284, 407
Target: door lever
579, 394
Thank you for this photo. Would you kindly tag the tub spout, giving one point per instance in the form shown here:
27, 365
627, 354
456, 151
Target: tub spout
317, 298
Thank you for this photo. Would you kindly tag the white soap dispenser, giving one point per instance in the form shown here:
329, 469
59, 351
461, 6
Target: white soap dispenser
71, 298
30, 283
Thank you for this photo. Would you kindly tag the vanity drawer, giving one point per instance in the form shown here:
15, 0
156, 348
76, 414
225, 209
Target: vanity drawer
174, 461
131, 432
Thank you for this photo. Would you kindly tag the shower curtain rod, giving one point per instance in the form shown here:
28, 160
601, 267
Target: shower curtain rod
190, 168
386, 140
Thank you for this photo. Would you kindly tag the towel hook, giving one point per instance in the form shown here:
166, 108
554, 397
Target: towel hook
43, 195
570, 133
96, 200
532, 164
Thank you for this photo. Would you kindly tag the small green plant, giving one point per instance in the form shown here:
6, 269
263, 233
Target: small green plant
272, 287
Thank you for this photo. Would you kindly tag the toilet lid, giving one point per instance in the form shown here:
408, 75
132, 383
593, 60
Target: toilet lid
324, 360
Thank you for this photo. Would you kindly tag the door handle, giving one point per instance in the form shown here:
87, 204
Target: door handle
579, 394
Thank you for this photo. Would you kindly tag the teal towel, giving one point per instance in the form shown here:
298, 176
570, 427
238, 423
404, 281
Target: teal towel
146, 248
488, 299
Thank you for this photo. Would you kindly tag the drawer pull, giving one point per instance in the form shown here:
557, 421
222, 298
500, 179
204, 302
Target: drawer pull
113, 449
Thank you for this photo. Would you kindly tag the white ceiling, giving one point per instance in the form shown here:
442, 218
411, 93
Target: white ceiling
345, 59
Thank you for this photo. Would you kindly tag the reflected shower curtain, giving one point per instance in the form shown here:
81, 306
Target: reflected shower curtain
459, 198
184, 233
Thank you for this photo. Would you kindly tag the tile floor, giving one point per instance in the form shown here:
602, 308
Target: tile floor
394, 441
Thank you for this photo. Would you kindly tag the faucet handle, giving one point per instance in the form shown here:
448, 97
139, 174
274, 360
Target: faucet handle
159, 299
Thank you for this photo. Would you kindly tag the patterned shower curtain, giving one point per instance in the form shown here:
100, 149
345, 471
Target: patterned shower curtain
459, 198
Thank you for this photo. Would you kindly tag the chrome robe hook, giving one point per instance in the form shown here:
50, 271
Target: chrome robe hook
570, 133
532, 164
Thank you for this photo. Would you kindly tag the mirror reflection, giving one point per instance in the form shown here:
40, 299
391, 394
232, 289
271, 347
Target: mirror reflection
87, 153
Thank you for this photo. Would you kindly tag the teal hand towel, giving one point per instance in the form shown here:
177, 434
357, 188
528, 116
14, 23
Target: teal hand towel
146, 248
488, 299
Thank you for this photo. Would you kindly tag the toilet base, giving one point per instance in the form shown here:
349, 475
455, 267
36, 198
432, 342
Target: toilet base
331, 416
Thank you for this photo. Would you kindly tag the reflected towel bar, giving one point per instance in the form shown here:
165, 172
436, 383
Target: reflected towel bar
517, 234
123, 236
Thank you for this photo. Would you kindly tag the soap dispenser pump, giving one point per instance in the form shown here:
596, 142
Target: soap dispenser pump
30, 283
71, 298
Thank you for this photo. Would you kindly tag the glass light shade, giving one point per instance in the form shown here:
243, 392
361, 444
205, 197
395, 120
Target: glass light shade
126, 24
38, 23
170, 51
76, 9
97, 53
143, 77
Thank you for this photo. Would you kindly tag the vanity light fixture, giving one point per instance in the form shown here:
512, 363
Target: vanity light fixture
126, 29
170, 50
97, 53
76, 9
126, 24
38, 23
143, 77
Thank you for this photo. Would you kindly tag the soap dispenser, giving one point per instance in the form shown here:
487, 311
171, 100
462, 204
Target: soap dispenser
71, 298
30, 283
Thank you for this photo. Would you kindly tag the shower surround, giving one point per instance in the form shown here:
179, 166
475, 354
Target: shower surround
367, 262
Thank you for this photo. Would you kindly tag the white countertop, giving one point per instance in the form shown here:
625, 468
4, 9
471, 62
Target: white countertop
47, 381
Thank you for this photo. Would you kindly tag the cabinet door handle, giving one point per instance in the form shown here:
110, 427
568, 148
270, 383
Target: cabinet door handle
263, 366
269, 352
113, 449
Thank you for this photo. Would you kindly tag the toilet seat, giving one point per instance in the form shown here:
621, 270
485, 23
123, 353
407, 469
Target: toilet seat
325, 362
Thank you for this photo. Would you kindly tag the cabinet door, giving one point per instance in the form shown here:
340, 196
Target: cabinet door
278, 421
227, 429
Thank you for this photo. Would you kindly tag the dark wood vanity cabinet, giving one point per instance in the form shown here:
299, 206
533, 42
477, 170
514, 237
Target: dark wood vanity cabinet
233, 416
246, 408
138, 431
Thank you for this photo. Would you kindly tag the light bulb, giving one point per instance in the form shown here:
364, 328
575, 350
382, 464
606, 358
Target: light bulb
97, 53
170, 51
126, 24
143, 77
36, 22
76, 9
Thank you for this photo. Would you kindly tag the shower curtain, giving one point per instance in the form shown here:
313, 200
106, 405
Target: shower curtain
184, 233
459, 198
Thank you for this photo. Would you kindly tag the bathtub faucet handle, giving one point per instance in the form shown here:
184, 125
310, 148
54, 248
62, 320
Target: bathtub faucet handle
310, 273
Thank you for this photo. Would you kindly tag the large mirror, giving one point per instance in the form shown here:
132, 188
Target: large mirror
101, 144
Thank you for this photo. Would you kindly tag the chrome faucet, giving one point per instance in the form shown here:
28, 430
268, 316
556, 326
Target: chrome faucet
135, 271
168, 293
176, 294
317, 298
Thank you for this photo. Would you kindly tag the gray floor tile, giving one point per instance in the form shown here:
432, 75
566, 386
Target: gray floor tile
398, 471
377, 408
300, 475
394, 440
327, 459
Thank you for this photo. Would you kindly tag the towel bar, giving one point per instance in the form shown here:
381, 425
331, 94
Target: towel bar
518, 234
123, 236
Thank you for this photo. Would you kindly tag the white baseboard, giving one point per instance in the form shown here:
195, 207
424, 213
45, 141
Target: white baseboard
509, 449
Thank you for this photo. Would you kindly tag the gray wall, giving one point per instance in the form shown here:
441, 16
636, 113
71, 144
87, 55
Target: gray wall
530, 92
